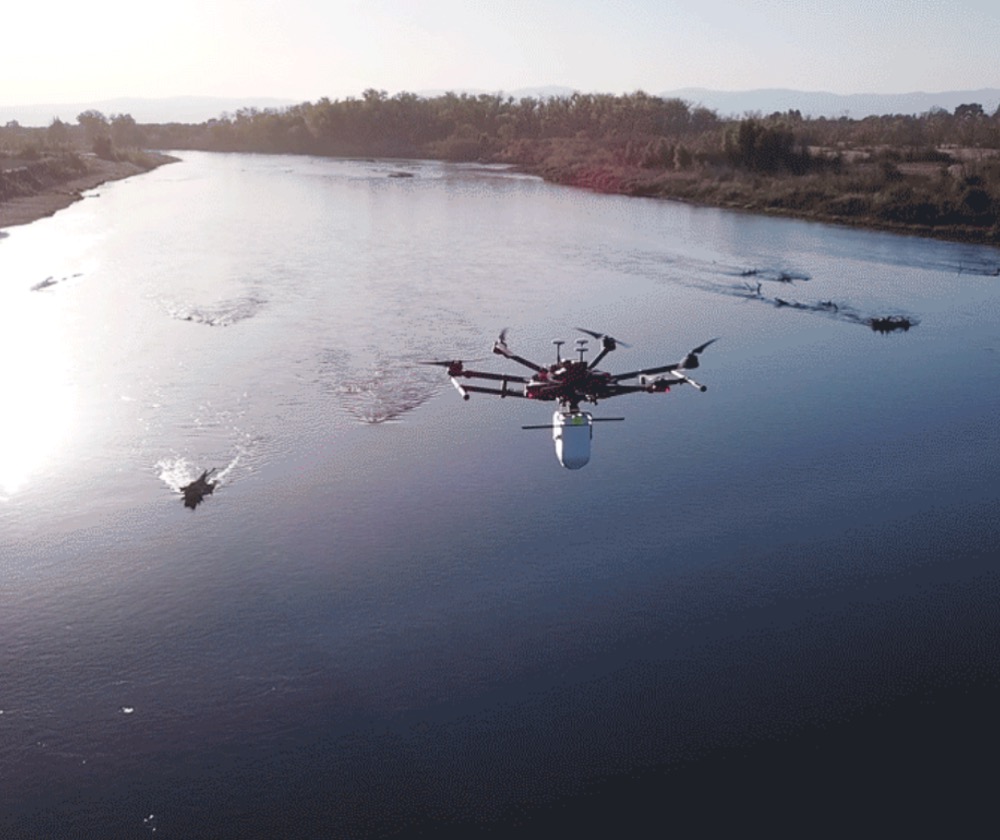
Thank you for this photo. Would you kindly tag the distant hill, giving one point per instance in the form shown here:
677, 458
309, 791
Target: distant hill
181, 109
820, 104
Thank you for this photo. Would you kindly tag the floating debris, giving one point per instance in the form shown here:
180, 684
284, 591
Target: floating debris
51, 281
890, 323
830, 308
774, 275
808, 307
127, 710
195, 492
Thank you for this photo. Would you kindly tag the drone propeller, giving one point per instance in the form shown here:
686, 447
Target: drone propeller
691, 360
607, 342
500, 345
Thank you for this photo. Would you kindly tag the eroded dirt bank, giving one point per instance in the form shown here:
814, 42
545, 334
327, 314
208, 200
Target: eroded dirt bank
33, 189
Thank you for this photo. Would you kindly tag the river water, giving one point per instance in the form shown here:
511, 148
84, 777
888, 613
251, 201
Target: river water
397, 610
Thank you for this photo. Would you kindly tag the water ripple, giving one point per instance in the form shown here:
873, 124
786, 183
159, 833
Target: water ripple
381, 392
222, 314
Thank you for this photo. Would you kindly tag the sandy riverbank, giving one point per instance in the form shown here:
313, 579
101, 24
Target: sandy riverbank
22, 209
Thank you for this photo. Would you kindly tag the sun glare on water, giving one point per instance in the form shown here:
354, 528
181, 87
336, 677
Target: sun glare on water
36, 395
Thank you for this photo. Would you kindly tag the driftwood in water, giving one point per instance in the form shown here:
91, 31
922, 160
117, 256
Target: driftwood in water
195, 492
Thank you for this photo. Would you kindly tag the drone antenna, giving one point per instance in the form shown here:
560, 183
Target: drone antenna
558, 342
581, 347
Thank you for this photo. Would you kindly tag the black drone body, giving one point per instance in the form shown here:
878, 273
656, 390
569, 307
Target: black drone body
570, 382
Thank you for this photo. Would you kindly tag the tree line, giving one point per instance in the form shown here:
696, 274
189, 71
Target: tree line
633, 129
634, 143
104, 136
492, 126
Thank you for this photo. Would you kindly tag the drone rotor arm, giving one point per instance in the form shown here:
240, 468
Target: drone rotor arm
497, 377
503, 351
687, 380
608, 343
619, 390
604, 352
689, 362
618, 377
659, 384
498, 392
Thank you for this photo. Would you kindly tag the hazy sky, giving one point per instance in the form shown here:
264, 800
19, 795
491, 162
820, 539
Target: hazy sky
77, 50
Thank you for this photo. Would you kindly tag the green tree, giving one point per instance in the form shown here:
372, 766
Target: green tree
94, 124
57, 133
970, 111
125, 133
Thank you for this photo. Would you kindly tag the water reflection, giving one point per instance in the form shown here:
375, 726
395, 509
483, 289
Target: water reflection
38, 399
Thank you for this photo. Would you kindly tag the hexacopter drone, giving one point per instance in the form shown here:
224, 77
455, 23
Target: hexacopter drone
571, 382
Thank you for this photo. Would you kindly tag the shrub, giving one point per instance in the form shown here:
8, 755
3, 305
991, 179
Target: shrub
102, 147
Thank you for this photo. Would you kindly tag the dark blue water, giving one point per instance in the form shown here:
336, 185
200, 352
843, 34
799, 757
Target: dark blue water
397, 612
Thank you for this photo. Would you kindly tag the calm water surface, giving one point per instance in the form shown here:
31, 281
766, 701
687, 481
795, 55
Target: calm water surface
397, 607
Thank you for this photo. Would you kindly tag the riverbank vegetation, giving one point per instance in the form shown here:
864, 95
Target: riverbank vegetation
43, 170
935, 174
